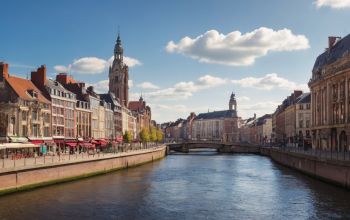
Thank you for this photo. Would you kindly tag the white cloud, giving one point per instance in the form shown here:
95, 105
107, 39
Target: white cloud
61, 69
89, 65
184, 90
93, 65
235, 48
131, 62
337, 4
130, 83
259, 108
147, 85
101, 86
269, 82
243, 98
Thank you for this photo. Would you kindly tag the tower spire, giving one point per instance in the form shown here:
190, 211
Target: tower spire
118, 49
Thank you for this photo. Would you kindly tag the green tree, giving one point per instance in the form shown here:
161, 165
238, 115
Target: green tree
160, 135
153, 134
144, 135
127, 137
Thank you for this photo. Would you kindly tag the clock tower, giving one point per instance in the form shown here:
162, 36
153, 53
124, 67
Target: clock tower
119, 75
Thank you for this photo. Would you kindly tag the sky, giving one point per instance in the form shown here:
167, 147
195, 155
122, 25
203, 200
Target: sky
185, 55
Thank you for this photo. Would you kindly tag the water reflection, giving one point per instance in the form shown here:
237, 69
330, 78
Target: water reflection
198, 185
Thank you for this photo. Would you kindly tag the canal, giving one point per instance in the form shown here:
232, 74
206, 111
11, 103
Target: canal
198, 185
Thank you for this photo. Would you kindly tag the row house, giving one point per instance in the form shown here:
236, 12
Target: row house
25, 111
174, 131
303, 121
142, 112
257, 130
129, 122
115, 115
330, 92
82, 106
63, 107
291, 120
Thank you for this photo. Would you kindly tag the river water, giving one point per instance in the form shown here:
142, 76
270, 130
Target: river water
198, 185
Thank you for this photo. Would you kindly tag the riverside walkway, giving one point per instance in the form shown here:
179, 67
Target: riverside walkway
9, 164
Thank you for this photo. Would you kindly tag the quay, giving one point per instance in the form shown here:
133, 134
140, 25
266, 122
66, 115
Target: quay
328, 166
72, 167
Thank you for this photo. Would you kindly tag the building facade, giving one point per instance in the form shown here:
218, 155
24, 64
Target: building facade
25, 111
218, 125
330, 91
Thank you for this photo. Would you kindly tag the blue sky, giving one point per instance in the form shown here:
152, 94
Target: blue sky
274, 53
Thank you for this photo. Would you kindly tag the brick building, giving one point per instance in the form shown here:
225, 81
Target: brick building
25, 111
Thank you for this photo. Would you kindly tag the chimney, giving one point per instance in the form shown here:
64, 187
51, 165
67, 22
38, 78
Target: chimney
4, 71
64, 79
331, 41
38, 77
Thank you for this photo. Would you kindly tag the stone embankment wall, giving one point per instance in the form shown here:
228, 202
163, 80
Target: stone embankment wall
45, 175
336, 172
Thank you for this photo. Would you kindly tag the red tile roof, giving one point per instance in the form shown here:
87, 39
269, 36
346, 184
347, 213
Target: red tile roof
22, 87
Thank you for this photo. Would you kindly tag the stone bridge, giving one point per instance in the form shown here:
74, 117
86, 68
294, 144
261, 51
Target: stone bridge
222, 147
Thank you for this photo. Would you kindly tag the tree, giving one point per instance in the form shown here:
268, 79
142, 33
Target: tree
153, 134
127, 137
144, 135
160, 135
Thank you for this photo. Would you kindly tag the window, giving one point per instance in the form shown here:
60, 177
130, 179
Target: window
307, 123
301, 123
24, 116
24, 130
35, 130
301, 106
34, 115
307, 106
46, 132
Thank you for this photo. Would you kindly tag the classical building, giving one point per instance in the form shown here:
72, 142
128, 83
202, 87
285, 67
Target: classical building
25, 111
63, 107
119, 75
330, 91
218, 125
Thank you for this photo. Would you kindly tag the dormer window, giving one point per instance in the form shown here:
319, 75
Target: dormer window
32, 93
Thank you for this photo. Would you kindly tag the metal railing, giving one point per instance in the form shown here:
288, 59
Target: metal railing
319, 153
21, 161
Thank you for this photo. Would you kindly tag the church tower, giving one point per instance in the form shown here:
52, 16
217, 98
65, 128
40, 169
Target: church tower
119, 75
233, 102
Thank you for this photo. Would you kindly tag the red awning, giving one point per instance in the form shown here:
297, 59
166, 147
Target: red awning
102, 142
87, 145
71, 144
59, 141
94, 142
37, 142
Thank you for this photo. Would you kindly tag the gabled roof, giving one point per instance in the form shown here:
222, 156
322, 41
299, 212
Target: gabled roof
22, 88
217, 114
331, 55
